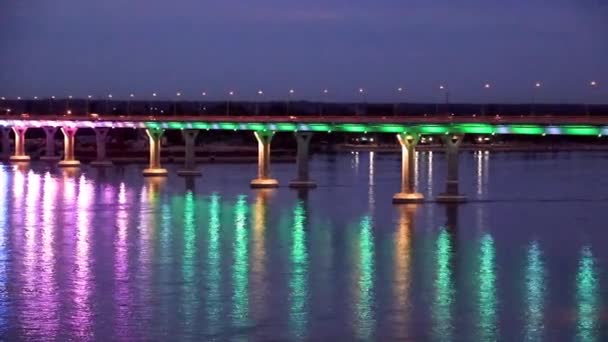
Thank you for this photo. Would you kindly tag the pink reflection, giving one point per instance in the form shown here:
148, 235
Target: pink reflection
123, 297
83, 317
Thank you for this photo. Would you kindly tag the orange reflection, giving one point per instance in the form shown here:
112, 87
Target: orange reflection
403, 281
258, 254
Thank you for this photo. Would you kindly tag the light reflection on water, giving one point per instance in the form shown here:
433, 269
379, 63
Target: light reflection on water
84, 258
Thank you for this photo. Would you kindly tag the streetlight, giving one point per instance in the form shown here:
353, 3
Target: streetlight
396, 104
89, 97
443, 88
359, 104
592, 85
486, 86
108, 103
537, 86
51, 99
178, 94
131, 96
323, 100
200, 105
67, 103
151, 108
257, 103
288, 103
230, 94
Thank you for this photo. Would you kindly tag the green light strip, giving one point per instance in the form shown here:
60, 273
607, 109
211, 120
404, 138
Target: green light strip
429, 129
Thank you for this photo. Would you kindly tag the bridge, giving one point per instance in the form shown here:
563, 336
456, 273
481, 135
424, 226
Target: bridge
408, 130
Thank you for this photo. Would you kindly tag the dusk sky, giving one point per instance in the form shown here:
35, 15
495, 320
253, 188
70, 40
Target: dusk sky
78, 47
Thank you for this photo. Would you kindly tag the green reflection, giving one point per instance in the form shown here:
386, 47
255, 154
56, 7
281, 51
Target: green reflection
487, 289
298, 294
365, 314
587, 296
188, 259
535, 290
444, 288
214, 275
240, 268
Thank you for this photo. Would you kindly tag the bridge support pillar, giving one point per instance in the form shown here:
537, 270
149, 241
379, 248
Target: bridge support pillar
408, 194
302, 180
49, 154
6, 142
68, 147
101, 136
451, 194
19, 155
189, 169
264, 180
155, 169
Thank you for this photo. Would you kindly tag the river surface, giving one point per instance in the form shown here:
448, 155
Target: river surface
110, 256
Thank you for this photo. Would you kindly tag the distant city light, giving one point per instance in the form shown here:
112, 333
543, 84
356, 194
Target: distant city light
69, 112
89, 96
35, 97
231, 93
487, 85
18, 97
260, 92
325, 91
441, 87
131, 95
537, 85
3, 98
178, 94
53, 97
400, 89
204, 94
361, 90
291, 91
593, 83
70, 97
110, 95
154, 94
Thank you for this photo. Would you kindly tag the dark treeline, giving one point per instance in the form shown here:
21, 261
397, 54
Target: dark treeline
168, 108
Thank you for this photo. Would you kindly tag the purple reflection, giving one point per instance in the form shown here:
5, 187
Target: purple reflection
82, 286
123, 296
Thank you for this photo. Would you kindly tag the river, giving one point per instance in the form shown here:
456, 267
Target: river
108, 255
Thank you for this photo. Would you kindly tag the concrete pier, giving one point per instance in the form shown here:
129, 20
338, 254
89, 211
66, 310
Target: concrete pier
408, 194
19, 156
49, 154
189, 169
155, 169
302, 157
101, 137
264, 181
451, 194
68, 147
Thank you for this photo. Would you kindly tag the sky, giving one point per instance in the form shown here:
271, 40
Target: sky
86, 47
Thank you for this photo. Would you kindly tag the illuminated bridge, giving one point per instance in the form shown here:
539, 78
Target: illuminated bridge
407, 129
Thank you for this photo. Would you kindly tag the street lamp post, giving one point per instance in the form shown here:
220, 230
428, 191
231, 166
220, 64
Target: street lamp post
51, 100
360, 103
67, 104
200, 104
151, 107
230, 94
446, 93
396, 104
88, 109
108, 104
131, 96
483, 107
592, 85
178, 94
537, 86
288, 103
257, 102
323, 100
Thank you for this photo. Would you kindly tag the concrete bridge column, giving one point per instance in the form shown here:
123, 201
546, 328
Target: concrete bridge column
101, 136
264, 180
302, 180
19, 155
68, 147
451, 194
6, 142
49, 154
408, 194
190, 155
155, 169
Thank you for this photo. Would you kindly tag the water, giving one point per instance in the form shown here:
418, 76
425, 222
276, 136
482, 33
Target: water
111, 256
